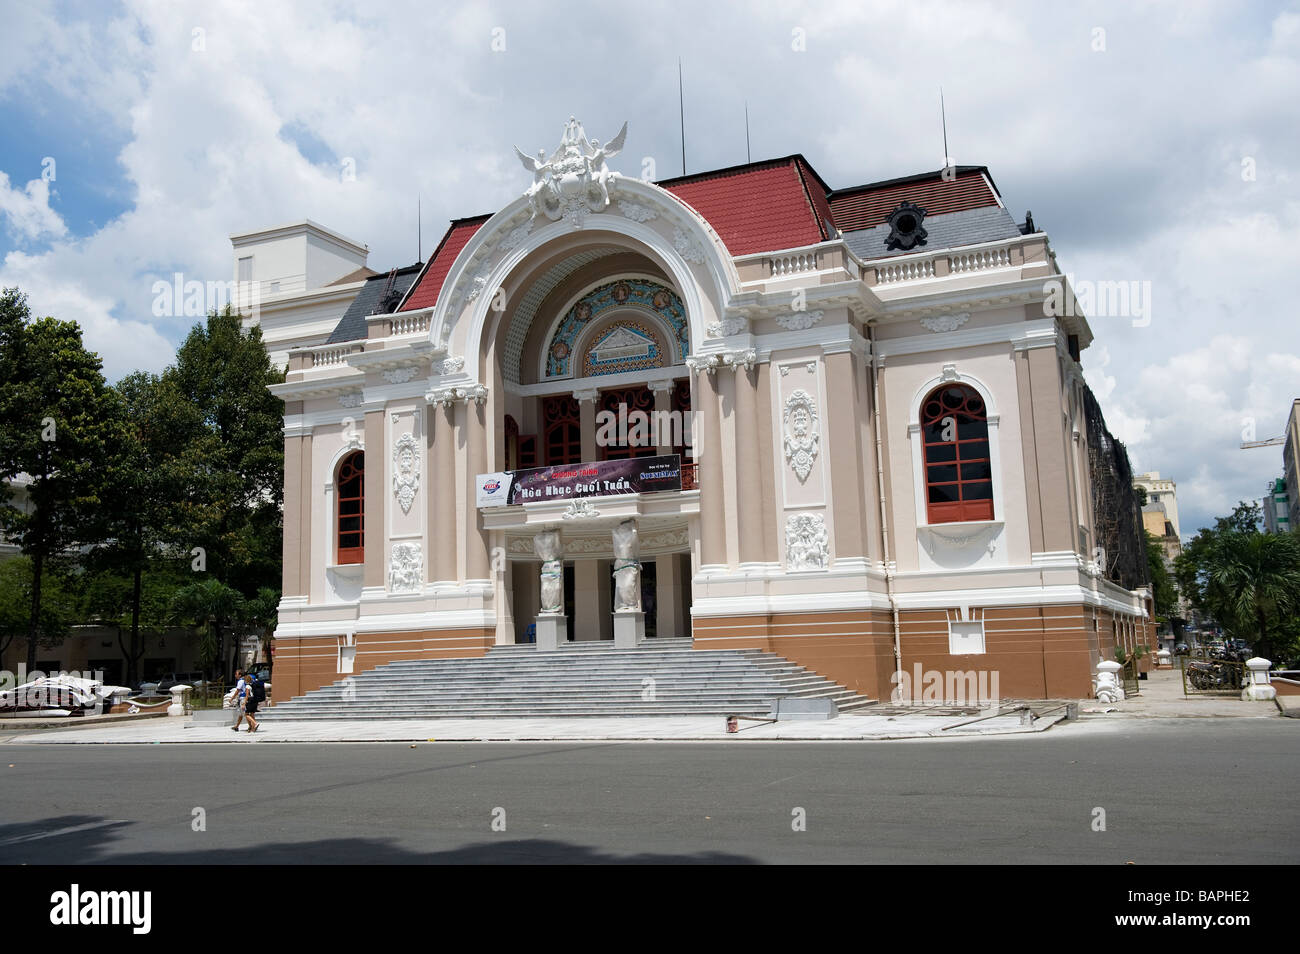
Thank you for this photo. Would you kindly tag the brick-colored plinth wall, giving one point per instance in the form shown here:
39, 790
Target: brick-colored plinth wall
302, 665
1037, 652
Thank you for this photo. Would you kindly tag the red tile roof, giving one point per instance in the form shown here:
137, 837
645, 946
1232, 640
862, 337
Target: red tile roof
867, 206
756, 208
428, 285
764, 207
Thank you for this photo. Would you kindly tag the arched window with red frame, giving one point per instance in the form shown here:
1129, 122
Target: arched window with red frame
351, 509
958, 468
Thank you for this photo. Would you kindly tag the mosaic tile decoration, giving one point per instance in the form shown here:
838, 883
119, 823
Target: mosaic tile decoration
523, 317
626, 292
625, 346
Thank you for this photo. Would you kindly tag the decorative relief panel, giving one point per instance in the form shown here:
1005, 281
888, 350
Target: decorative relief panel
624, 346
406, 471
946, 322
406, 568
687, 247
448, 365
399, 375
800, 320
802, 433
807, 545
635, 211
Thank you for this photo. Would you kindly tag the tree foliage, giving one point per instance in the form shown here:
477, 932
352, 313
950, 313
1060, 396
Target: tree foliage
163, 492
1247, 580
1163, 591
227, 452
60, 426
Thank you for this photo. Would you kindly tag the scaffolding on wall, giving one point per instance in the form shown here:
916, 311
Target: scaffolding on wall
1116, 514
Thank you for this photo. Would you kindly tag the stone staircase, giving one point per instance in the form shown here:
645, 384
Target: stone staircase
662, 677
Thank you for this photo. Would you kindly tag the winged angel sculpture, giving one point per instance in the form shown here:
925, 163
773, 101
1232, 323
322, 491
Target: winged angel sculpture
575, 179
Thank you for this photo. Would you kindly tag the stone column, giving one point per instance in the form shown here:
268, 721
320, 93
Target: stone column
629, 617
376, 490
587, 586
663, 392
706, 397
552, 629
477, 555
668, 594
588, 581
749, 491
442, 487
290, 572
587, 422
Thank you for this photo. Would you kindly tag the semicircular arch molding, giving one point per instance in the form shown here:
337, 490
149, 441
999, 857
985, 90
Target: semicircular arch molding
675, 238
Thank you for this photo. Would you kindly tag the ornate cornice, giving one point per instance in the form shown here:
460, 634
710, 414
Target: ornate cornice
742, 357
446, 397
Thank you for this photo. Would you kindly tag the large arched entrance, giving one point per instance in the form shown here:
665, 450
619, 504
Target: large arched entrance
588, 355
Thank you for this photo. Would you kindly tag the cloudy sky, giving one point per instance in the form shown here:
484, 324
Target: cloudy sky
1154, 143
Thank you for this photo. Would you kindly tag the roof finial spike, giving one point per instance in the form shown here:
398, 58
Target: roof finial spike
943, 117
681, 111
748, 157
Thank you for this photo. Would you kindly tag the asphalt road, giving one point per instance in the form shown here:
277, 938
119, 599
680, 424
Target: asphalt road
1186, 791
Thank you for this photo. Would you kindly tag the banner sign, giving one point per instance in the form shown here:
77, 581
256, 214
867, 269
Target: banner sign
605, 478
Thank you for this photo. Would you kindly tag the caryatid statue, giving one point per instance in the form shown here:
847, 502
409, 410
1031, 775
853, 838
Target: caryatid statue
627, 569
547, 546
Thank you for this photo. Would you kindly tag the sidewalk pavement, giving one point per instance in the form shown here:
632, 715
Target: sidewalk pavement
849, 726
1161, 697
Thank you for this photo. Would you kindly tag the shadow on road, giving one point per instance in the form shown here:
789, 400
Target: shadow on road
90, 839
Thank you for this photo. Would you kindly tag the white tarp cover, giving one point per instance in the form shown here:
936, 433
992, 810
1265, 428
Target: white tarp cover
59, 692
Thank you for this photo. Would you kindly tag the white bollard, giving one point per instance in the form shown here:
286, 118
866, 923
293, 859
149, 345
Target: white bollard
177, 708
1108, 687
1258, 688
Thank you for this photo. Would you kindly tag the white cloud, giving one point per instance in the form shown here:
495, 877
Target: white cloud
1131, 158
26, 212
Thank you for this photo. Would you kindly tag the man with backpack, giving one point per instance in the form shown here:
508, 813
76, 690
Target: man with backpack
254, 695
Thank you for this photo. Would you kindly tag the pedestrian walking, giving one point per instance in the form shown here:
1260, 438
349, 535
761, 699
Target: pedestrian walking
254, 695
241, 688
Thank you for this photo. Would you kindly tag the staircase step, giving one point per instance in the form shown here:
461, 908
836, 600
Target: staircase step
589, 679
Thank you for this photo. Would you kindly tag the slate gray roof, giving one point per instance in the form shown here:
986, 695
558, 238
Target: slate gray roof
352, 326
969, 227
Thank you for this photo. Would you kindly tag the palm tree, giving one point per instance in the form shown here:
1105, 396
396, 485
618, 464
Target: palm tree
212, 606
262, 612
1255, 578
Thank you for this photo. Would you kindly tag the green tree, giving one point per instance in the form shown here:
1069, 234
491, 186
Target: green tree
1163, 592
1253, 579
1247, 580
142, 481
213, 608
228, 452
1189, 566
58, 607
137, 604
59, 426
262, 613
